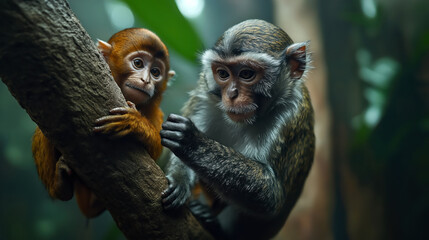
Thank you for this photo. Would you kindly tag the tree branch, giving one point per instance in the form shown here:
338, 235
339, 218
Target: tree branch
54, 70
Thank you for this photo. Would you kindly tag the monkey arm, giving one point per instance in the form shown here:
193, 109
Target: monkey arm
148, 134
247, 183
295, 161
129, 121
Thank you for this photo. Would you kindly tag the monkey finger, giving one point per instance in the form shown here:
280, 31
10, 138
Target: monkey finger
109, 128
168, 195
170, 144
119, 111
177, 118
173, 135
174, 200
131, 105
173, 126
98, 129
197, 207
176, 203
167, 192
201, 210
109, 119
170, 188
101, 129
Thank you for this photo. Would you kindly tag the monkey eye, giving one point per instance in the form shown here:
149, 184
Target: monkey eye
155, 72
222, 74
138, 63
247, 74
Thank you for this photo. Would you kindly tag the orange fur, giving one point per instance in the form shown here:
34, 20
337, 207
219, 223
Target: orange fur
45, 157
144, 123
150, 128
88, 203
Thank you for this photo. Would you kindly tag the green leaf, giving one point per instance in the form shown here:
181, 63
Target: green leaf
164, 18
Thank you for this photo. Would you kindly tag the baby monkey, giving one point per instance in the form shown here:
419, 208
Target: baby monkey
139, 62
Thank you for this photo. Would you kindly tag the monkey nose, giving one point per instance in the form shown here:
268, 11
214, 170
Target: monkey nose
233, 93
144, 80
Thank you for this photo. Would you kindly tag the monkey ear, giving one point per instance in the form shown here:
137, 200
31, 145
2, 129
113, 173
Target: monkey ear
171, 74
296, 57
104, 47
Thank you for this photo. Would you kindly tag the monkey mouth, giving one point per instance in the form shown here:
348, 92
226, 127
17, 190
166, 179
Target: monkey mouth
240, 113
240, 117
139, 89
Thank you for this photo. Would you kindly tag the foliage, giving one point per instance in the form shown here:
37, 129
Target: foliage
163, 17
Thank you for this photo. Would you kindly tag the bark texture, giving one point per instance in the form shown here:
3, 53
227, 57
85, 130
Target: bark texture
52, 67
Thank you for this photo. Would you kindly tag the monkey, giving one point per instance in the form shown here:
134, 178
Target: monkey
140, 65
246, 134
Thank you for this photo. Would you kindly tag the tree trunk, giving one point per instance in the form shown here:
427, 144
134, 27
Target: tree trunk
54, 70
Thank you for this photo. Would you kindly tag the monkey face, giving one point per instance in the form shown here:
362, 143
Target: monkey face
142, 75
253, 64
236, 80
139, 63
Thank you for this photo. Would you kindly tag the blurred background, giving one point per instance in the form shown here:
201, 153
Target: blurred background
370, 91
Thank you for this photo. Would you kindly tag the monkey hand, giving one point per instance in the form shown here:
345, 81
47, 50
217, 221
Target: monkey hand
176, 194
180, 135
121, 121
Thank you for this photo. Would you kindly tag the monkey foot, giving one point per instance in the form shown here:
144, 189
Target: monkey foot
207, 218
64, 180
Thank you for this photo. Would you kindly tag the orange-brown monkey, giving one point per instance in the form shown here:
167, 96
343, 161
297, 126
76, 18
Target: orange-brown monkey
139, 63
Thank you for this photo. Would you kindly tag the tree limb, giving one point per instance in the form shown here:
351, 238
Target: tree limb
52, 67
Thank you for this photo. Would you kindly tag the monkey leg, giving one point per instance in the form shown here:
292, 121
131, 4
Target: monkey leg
54, 173
205, 216
88, 203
